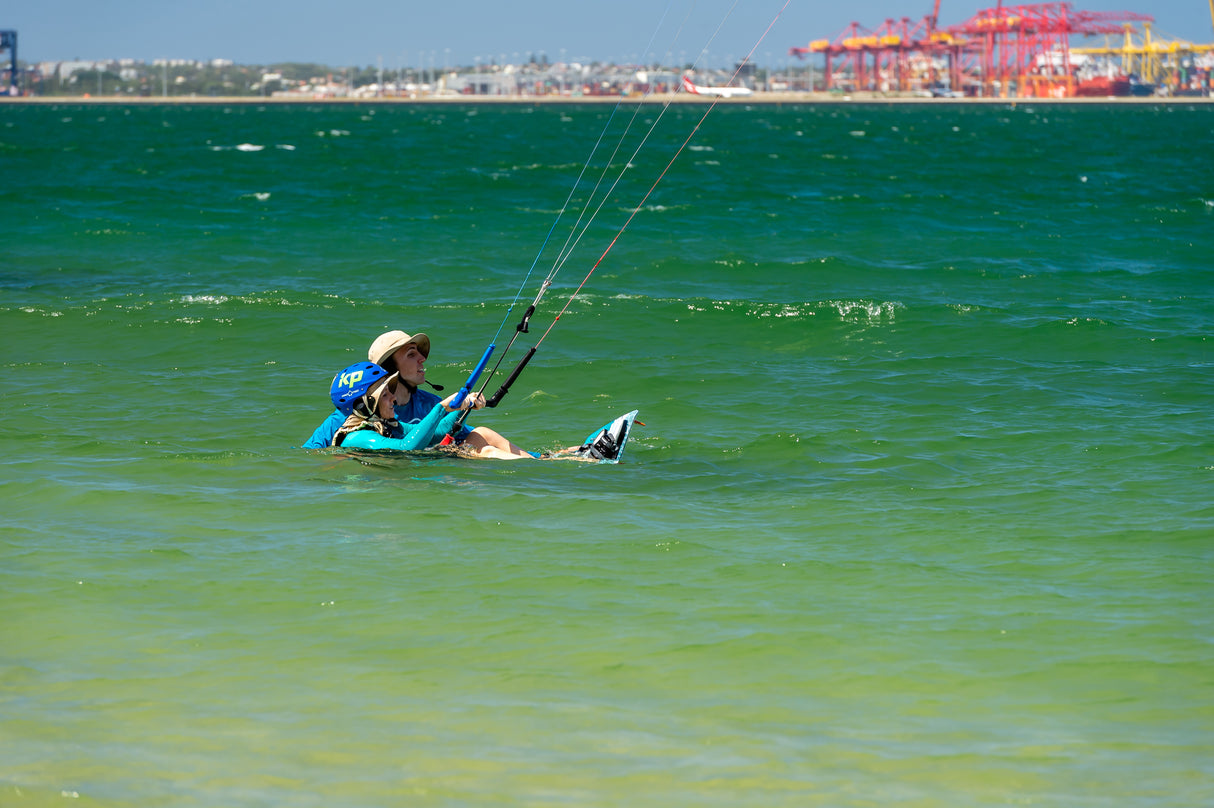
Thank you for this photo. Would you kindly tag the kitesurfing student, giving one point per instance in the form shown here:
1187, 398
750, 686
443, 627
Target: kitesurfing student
363, 393
398, 352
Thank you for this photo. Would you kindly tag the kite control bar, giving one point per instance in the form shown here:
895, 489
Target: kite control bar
467, 388
505, 388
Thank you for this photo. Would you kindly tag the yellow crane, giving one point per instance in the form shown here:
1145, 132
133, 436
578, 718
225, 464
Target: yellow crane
1154, 60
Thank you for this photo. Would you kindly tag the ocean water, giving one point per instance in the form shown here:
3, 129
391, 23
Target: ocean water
921, 512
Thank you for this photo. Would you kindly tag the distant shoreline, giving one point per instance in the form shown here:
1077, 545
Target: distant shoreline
760, 98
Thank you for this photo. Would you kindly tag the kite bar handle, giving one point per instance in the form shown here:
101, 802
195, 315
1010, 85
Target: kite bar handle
458, 401
505, 388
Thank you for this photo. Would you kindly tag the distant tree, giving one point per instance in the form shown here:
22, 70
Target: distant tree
364, 76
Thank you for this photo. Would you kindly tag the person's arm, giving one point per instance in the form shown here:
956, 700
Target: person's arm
418, 435
425, 401
473, 401
370, 439
448, 423
323, 436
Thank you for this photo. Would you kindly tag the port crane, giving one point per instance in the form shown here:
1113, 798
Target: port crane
1005, 51
1151, 58
895, 56
8, 42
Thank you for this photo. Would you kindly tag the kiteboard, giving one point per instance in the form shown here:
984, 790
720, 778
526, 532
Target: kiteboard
606, 444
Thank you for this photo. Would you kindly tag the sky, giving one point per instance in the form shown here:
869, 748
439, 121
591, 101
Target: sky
442, 33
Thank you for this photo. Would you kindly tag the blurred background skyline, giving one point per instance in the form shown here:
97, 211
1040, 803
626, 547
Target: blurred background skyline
716, 33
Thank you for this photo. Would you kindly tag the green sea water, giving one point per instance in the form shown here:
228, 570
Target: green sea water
920, 515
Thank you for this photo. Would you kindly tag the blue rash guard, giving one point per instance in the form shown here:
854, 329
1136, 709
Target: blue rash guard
420, 404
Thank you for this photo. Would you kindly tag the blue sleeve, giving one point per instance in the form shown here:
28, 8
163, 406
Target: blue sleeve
448, 423
419, 435
421, 404
424, 398
323, 436
370, 439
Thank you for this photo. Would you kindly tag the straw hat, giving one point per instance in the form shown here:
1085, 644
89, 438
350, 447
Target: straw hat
387, 344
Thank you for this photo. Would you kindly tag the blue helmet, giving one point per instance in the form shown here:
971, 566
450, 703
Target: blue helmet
352, 384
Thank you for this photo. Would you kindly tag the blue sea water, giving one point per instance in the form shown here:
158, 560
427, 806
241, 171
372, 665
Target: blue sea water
920, 514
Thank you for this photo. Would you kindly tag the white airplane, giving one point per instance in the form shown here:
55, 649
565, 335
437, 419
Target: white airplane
724, 92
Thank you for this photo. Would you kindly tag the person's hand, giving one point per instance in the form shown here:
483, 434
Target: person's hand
472, 401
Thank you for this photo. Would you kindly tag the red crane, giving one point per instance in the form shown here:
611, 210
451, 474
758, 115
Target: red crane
1019, 50
1025, 50
882, 59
